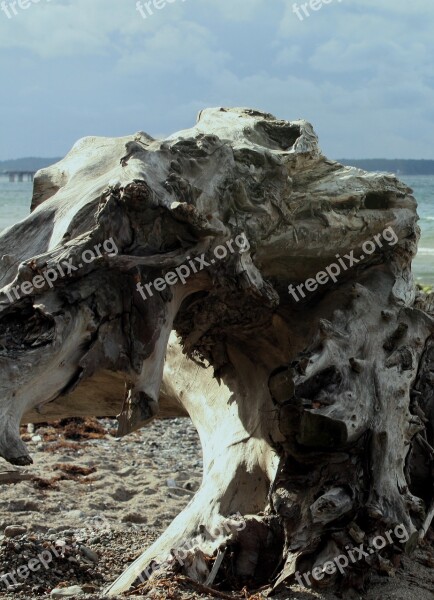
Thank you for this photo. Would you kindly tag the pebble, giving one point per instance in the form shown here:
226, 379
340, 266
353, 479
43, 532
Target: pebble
134, 517
90, 554
13, 531
190, 485
67, 592
75, 514
115, 531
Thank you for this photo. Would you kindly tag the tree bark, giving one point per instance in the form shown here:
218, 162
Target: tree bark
315, 409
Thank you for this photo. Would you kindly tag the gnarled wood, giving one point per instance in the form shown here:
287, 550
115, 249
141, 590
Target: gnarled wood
315, 411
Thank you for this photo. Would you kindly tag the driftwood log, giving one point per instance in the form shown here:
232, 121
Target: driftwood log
313, 399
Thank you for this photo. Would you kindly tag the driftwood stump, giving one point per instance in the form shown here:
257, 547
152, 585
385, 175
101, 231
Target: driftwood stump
311, 385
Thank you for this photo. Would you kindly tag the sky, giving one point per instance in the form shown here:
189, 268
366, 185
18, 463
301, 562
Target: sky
361, 71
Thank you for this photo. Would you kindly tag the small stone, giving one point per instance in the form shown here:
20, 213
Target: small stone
89, 588
90, 554
126, 471
36, 438
17, 587
14, 530
190, 485
75, 514
95, 539
67, 592
134, 517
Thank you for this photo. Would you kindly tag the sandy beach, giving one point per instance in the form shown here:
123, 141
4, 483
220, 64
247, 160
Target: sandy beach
101, 500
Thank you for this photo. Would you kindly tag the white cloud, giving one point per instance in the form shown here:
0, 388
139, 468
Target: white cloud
359, 70
184, 46
235, 10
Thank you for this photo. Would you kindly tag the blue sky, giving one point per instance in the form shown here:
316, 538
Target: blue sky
360, 70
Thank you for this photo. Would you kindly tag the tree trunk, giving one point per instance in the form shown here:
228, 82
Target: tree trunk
315, 409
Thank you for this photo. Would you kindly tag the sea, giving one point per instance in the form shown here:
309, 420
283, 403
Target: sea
15, 202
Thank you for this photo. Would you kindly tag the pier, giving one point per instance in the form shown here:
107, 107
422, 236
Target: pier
20, 175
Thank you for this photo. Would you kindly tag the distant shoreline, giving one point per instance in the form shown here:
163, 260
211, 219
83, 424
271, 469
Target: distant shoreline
26, 164
397, 166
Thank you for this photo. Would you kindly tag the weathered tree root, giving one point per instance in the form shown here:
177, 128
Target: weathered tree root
315, 412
